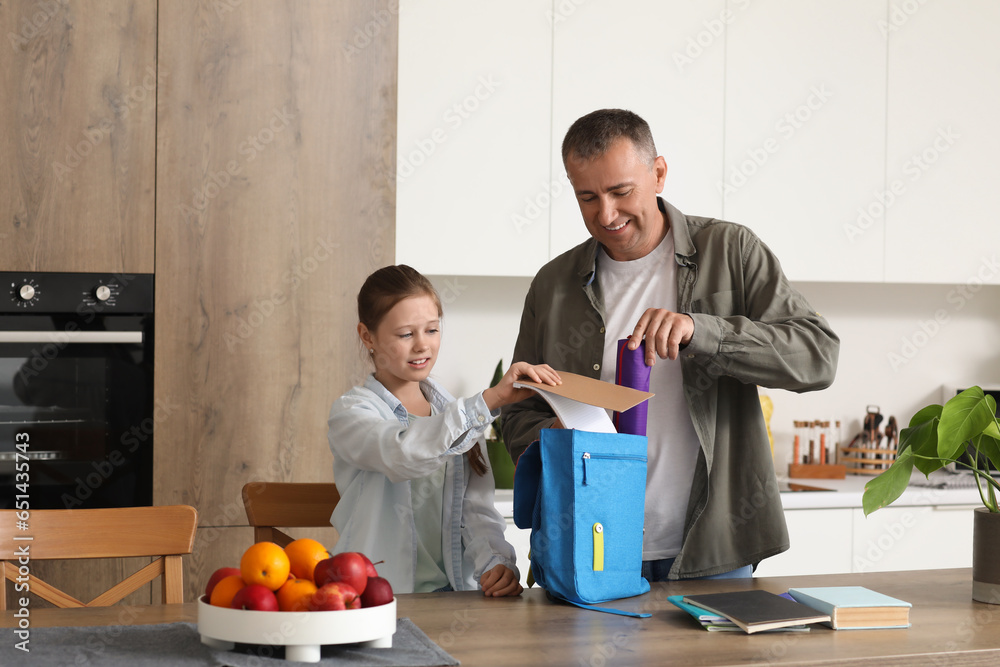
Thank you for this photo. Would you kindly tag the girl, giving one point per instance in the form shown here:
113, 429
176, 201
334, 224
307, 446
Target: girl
416, 491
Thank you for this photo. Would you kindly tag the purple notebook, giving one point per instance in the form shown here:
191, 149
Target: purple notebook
633, 372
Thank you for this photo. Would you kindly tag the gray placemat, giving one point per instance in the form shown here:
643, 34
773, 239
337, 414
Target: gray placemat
179, 645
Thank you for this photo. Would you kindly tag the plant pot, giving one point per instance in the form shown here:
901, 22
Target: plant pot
986, 556
503, 467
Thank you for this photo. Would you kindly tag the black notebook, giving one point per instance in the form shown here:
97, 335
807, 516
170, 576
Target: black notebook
757, 610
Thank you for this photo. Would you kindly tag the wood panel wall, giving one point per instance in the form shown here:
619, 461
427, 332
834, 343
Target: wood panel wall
77, 135
77, 146
274, 199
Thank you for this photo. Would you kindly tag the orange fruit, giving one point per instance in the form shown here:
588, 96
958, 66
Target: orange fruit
265, 563
303, 554
294, 595
225, 590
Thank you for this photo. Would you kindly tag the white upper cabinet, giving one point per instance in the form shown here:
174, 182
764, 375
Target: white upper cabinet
857, 138
805, 134
473, 136
664, 61
943, 143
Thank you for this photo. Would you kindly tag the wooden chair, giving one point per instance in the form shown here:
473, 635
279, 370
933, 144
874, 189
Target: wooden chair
163, 532
287, 504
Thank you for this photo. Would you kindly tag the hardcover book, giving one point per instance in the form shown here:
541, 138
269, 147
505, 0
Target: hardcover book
757, 610
855, 607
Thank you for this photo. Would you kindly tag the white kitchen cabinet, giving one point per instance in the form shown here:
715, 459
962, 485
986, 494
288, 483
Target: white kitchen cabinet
836, 540
662, 60
805, 134
943, 143
820, 544
856, 138
473, 136
913, 538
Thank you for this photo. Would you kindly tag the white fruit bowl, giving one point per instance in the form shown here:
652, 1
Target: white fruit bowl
300, 632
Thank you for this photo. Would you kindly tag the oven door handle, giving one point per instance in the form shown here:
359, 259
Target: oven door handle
70, 337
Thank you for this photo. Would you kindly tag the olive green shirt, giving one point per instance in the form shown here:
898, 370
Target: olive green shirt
750, 328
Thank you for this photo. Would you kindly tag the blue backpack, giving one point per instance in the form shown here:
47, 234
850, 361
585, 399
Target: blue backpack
582, 494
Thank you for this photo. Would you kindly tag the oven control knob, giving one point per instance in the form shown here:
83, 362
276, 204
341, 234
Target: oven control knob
102, 293
26, 292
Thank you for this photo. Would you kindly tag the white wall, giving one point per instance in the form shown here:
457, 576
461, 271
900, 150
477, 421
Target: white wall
899, 345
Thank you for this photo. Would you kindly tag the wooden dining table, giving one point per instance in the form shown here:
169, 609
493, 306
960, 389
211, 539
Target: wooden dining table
948, 627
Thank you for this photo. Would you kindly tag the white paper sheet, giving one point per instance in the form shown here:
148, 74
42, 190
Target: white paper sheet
574, 414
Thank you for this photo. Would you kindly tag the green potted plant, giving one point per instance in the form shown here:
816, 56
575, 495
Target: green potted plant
941, 435
500, 462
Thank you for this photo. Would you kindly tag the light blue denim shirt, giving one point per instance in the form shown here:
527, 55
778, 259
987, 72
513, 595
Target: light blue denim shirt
376, 452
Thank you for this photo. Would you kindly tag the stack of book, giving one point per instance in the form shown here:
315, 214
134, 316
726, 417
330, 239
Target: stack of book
751, 611
839, 607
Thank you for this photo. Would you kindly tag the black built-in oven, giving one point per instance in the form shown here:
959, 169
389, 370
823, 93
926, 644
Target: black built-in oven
76, 390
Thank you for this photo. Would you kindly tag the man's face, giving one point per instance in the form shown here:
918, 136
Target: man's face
617, 196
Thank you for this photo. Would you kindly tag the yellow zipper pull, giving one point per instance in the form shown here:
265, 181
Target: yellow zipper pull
598, 547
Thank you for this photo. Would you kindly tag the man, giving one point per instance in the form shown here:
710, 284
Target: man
718, 318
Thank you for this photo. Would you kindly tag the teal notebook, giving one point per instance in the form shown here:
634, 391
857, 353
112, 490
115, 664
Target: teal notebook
855, 607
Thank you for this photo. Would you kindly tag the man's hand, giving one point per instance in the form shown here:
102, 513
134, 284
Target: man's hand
499, 582
665, 332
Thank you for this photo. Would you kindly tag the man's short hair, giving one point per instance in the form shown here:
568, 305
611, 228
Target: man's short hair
592, 135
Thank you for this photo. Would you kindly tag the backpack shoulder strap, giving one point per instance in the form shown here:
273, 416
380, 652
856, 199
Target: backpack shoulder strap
527, 476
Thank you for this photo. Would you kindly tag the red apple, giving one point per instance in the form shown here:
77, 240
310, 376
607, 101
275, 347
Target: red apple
369, 566
334, 596
218, 575
255, 597
377, 592
348, 567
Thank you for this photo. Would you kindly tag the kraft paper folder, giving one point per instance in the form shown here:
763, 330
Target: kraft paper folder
582, 403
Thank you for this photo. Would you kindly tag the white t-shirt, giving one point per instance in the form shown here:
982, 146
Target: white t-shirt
628, 289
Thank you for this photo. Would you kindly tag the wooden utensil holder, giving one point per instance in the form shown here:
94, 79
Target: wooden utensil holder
816, 471
867, 459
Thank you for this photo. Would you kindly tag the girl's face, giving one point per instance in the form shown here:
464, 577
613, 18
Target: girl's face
406, 342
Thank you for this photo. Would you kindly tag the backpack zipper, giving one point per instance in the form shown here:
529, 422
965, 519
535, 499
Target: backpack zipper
623, 457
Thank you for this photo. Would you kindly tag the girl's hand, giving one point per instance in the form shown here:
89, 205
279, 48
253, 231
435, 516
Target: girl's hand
504, 392
499, 582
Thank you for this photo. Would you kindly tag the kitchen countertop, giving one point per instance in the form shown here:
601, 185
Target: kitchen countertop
842, 493
848, 493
